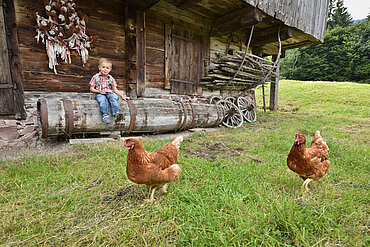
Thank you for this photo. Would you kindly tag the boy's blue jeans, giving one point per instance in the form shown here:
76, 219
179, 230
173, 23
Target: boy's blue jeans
106, 100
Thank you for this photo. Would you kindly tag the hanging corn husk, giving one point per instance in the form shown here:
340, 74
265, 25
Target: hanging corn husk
62, 31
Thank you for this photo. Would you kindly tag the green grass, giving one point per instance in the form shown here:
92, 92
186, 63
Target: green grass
223, 197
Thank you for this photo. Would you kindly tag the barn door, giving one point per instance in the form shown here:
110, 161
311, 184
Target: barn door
6, 84
186, 64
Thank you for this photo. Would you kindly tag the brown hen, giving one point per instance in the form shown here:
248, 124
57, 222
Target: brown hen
153, 169
310, 163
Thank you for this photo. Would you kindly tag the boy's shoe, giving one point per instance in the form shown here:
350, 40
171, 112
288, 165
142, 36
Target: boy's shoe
106, 119
119, 117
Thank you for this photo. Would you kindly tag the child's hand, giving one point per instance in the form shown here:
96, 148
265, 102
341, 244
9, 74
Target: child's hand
125, 98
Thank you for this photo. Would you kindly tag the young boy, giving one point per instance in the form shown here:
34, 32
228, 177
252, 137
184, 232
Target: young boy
105, 88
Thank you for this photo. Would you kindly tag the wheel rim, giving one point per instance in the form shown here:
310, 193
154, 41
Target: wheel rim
215, 99
231, 99
233, 116
247, 108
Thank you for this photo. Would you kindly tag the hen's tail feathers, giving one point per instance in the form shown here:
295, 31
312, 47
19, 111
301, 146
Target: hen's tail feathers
177, 141
319, 140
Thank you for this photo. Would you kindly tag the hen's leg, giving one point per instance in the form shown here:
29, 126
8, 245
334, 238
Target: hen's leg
305, 184
165, 188
151, 199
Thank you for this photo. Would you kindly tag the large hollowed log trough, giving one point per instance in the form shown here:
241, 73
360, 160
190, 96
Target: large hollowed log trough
67, 117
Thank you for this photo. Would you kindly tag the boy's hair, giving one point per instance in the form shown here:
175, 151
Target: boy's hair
105, 60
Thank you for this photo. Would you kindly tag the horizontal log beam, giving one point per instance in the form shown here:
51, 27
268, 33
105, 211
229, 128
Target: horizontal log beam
235, 21
187, 3
142, 5
6, 86
270, 35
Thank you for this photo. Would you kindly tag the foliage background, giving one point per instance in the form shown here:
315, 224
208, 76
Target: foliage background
344, 55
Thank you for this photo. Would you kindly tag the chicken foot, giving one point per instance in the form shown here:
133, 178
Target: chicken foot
151, 197
305, 184
165, 188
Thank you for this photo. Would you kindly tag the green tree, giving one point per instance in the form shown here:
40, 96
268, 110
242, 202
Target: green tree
360, 58
338, 15
344, 56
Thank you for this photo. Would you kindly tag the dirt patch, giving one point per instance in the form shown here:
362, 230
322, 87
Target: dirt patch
62, 146
130, 194
216, 151
50, 146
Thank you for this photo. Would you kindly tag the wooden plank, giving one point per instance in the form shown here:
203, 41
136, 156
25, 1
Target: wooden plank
154, 74
187, 3
168, 13
6, 92
154, 57
206, 59
5, 76
183, 81
240, 19
308, 16
3, 86
270, 35
142, 5
167, 59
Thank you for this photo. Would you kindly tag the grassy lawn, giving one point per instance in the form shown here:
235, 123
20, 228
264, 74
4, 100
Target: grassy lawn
224, 197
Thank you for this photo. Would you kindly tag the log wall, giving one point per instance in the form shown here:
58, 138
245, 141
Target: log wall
105, 24
161, 20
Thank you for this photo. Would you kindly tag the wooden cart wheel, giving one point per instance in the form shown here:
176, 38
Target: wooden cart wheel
231, 99
215, 99
233, 115
247, 108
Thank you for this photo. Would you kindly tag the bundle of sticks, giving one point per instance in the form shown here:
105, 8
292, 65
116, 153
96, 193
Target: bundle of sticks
241, 72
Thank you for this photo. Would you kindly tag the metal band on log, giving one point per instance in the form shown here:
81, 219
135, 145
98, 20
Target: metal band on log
42, 111
68, 109
132, 116
65, 117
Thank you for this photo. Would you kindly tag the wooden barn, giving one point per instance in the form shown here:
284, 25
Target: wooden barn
158, 48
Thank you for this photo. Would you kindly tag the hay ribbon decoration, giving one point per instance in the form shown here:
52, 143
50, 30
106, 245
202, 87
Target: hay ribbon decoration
62, 31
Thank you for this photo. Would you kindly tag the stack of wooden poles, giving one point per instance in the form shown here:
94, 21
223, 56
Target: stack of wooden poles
241, 72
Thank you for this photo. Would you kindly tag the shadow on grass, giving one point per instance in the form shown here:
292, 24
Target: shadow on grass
132, 194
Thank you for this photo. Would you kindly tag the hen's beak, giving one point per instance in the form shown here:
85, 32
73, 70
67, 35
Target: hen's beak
296, 140
128, 146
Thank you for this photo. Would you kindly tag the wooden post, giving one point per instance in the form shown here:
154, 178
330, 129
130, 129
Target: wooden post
135, 52
274, 87
140, 49
259, 52
168, 54
130, 57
